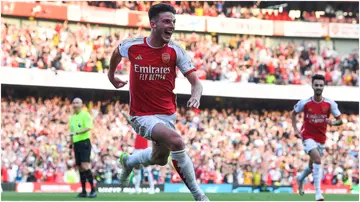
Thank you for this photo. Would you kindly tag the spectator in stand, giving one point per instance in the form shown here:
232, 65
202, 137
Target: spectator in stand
226, 146
231, 9
241, 59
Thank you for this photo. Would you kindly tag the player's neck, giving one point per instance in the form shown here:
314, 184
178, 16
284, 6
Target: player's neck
318, 98
154, 42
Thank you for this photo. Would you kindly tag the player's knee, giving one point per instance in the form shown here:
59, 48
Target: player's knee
160, 161
317, 160
163, 161
176, 143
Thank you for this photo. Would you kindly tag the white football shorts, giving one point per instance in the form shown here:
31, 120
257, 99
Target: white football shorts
143, 125
310, 144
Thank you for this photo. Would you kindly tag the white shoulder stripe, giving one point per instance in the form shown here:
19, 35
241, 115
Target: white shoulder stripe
334, 107
176, 46
183, 60
328, 100
134, 39
173, 43
299, 107
127, 43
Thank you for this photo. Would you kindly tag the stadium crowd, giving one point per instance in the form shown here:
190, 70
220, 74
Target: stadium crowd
241, 59
243, 10
226, 146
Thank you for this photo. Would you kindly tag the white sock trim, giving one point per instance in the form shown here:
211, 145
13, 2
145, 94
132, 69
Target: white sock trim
178, 152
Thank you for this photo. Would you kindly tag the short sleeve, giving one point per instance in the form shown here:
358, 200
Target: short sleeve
87, 120
299, 107
183, 60
124, 48
334, 109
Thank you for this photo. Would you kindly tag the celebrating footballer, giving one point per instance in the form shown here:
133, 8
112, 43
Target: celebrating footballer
152, 102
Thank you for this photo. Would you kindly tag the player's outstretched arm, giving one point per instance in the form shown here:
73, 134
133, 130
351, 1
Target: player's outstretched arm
294, 121
114, 62
196, 90
337, 114
337, 122
127, 117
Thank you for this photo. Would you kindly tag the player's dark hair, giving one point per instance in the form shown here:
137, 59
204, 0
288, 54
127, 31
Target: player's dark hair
318, 77
156, 9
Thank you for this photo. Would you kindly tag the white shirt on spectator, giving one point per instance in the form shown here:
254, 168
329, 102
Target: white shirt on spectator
73, 66
245, 77
275, 174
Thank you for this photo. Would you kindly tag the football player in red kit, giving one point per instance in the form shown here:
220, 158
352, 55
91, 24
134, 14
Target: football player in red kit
141, 144
317, 111
152, 102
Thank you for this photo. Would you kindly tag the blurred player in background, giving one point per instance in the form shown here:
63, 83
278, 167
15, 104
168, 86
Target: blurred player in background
152, 102
141, 144
80, 124
317, 111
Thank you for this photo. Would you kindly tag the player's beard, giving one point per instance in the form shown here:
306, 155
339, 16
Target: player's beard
318, 92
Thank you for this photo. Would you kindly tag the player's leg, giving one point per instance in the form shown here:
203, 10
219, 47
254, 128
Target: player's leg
151, 180
160, 154
307, 171
315, 154
142, 157
77, 153
300, 180
136, 169
137, 174
129, 162
85, 164
143, 126
310, 164
154, 128
181, 161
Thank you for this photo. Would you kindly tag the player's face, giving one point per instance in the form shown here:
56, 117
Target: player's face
318, 87
164, 26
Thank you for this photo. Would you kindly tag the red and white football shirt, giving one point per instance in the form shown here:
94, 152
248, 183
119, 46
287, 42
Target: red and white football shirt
152, 75
315, 115
140, 142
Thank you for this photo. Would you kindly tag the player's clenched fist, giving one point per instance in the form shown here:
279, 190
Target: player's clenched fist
116, 82
193, 102
329, 122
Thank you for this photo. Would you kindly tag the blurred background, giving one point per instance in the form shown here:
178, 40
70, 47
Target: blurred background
255, 58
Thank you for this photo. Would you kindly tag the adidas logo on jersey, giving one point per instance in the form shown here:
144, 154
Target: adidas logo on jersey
138, 57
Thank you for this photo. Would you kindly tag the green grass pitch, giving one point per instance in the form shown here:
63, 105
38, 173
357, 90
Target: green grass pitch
13, 196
